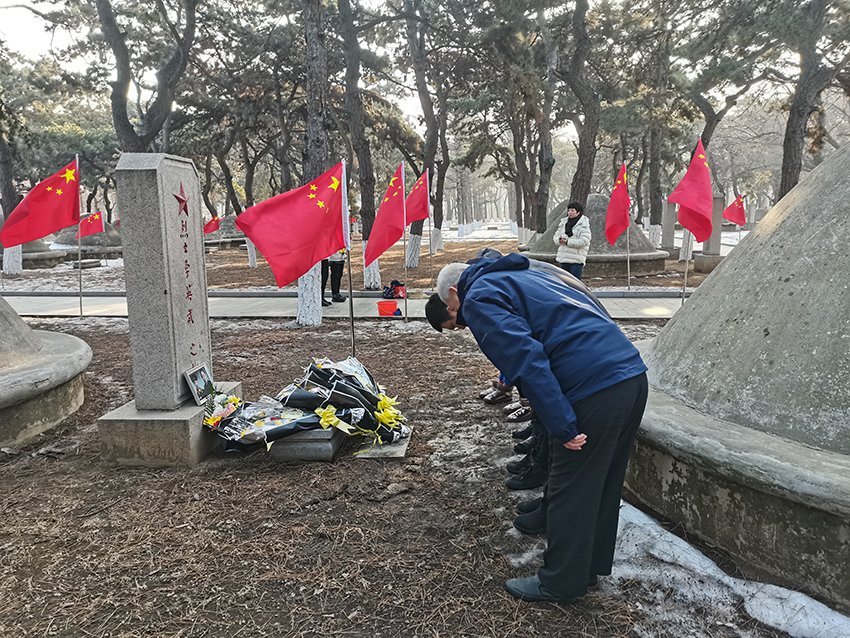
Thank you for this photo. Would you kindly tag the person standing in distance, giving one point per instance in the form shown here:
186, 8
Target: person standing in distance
573, 240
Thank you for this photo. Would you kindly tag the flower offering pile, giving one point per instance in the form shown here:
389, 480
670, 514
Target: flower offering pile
342, 395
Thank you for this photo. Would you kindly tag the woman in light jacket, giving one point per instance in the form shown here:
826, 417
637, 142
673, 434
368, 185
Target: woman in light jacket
573, 239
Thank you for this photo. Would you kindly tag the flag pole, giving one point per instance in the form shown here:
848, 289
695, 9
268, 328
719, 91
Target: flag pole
628, 254
404, 239
431, 249
79, 236
346, 225
687, 260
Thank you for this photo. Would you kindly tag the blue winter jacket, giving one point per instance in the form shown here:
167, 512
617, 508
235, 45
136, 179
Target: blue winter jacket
546, 337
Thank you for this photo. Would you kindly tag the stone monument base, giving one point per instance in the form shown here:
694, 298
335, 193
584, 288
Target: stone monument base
672, 251
309, 445
158, 438
706, 263
781, 509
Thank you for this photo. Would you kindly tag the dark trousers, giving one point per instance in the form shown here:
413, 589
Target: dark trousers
335, 268
573, 269
585, 486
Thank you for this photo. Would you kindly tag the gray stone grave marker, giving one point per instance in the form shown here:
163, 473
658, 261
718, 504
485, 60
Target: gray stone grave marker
160, 199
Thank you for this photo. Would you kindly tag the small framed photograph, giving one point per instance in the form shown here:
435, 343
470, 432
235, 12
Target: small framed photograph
200, 383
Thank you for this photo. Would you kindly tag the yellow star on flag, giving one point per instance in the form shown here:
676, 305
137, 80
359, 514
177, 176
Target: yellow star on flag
69, 175
313, 187
311, 195
50, 188
58, 191
320, 204
334, 183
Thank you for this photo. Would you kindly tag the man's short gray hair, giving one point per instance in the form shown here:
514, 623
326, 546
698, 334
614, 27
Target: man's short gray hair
448, 277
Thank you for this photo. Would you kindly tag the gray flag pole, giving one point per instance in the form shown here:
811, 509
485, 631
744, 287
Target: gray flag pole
79, 237
431, 249
629, 255
347, 228
404, 238
687, 260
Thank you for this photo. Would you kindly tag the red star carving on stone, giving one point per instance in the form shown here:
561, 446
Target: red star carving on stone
184, 201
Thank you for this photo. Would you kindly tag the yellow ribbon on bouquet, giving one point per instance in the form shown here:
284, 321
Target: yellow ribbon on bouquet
328, 419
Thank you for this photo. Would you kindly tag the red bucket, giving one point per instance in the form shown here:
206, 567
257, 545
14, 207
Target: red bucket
387, 307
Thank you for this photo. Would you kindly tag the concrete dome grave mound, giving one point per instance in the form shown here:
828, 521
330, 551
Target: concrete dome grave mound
41, 378
105, 245
603, 260
746, 438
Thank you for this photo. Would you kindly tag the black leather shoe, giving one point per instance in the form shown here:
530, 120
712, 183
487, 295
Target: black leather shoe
534, 476
531, 523
325, 302
523, 433
525, 447
524, 507
518, 467
339, 298
530, 590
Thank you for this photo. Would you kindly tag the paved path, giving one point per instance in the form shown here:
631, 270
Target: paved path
248, 305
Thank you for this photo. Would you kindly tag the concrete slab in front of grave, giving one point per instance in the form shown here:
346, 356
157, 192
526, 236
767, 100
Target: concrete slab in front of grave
396, 450
309, 445
158, 438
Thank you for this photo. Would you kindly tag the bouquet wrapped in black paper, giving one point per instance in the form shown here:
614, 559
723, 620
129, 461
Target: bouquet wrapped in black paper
343, 395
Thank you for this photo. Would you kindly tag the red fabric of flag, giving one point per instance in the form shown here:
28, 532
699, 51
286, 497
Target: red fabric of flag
389, 222
417, 203
296, 230
693, 195
617, 217
53, 204
735, 212
212, 225
90, 225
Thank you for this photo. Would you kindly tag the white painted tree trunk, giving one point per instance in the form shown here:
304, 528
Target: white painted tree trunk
414, 243
371, 273
309, 312
436, 240
525, 235
252, 254
13, 260
655, 235
687, 246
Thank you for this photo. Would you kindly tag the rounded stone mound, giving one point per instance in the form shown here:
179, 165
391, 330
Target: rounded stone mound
105, 245
746, 437
603, 260
40, 378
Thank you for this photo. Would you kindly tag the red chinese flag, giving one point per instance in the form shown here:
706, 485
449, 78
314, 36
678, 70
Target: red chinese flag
617, 217
389, 222
296, 230
52, 205
417, 203
693, 195
90, 225
735, 213
212, 225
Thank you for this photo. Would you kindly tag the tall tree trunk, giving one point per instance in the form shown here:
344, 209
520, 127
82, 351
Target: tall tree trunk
546, 155
656, 192
9, 195
309, 311
586, 94
357, 132
419, 62
167, 76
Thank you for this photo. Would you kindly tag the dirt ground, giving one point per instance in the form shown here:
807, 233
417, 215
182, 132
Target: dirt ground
243, 546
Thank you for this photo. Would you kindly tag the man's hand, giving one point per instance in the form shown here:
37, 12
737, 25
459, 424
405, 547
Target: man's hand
576, 443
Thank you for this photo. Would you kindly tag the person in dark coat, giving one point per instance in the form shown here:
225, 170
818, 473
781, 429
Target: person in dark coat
586, 382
